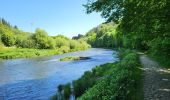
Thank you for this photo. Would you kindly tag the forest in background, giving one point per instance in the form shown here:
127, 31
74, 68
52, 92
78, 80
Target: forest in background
15, 43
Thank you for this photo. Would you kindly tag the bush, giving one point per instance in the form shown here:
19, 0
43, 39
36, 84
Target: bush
112, 81
67, 91
120, 82
81, 85
61, 41
161, 47
8, 39
64, 49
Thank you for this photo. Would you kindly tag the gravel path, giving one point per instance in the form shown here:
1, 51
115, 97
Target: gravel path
156, 80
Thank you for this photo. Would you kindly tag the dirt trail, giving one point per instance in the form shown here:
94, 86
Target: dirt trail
156, 80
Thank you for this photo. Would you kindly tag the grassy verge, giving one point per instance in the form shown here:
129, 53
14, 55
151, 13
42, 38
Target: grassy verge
112, 81
10, 53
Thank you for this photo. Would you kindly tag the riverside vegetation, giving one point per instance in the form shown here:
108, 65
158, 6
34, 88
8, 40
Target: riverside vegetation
112, 81
72, 58
131, 24
15, 43
141, 25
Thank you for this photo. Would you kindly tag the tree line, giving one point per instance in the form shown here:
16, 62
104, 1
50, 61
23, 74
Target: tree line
13, 37
103, 35
142, 25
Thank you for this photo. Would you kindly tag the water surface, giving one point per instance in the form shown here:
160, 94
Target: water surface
38, 78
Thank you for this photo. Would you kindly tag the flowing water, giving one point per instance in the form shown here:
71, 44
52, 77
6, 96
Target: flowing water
38, 78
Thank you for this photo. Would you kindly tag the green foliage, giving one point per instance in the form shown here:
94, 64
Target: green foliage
143, 25
64, 49
102, 36
61, 41
8, 39
112, 81
70, 58
42, 40
120, 83
24, 41
10, 53
73, 44
13, 37
1, 45
110, 9
67, 91
81, 85
158, 45
83, 45
64, 92
59, 95
4, 22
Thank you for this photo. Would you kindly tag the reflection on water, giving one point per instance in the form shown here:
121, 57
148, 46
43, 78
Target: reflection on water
37, 78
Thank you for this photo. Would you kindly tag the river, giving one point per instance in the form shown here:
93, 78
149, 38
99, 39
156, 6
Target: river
38, 78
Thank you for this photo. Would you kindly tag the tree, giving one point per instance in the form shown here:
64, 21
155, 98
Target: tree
8, 39
110, 9
102, 36
15, 27
139, 21
10, 36
61, 41
74, 44
24, 40
4, 22
77, 37
42, 40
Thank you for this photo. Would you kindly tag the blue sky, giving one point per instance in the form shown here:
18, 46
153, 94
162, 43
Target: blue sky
65, 17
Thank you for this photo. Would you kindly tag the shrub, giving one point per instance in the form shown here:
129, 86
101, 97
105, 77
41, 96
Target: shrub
120, 82
67, 91
64, 49
8, 39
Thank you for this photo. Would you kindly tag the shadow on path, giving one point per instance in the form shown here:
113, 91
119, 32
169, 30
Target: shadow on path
156, 80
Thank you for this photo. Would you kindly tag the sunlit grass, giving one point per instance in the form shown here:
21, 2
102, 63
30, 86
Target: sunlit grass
9, 53
72, 58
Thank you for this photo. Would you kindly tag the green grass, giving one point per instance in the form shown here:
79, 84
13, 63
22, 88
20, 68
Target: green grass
72, 58
10, 53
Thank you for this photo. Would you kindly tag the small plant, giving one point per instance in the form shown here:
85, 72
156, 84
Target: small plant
67, 91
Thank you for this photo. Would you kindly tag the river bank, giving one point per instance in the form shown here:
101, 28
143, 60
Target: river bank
38, 78
120, 80
11, 53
